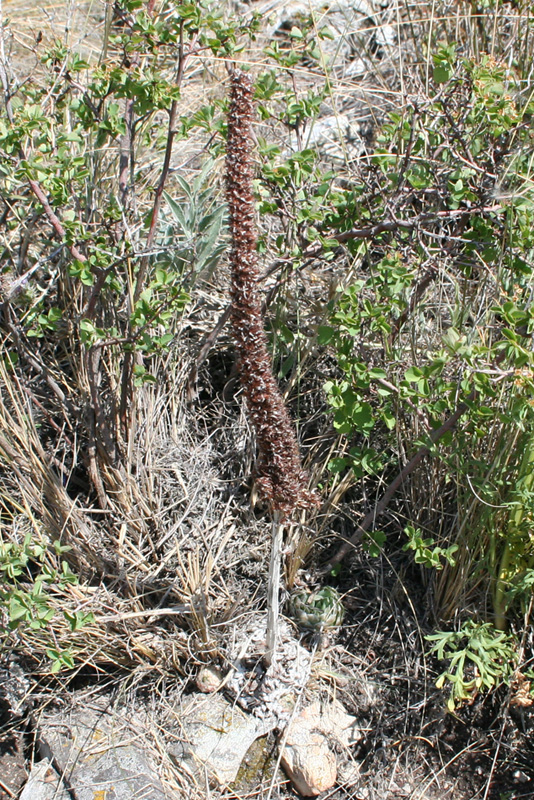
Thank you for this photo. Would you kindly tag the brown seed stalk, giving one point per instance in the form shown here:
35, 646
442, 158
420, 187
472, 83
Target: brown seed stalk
281, 478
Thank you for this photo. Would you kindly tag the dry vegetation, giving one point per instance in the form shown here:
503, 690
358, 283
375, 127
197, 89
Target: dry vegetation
397, 257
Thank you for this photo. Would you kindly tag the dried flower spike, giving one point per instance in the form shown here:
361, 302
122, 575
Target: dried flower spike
281, 479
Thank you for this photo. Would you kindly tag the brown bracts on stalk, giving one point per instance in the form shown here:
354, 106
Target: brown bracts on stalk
281, 479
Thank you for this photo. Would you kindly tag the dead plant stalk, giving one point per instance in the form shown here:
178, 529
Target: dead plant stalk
281, 480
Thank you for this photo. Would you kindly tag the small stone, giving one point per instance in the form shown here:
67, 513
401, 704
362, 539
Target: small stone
308, 761
14, 688
349, 773
258, 767
209, 680
306, 756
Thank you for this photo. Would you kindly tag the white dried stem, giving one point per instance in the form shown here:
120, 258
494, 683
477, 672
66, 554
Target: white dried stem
273, 590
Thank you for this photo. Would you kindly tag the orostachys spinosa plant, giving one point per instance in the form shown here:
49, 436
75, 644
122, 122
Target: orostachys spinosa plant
281, 480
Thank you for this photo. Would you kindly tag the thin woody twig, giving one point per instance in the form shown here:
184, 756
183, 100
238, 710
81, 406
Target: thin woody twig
182, 59
53, 218
415, 297
145, 261
371, 231
273, 590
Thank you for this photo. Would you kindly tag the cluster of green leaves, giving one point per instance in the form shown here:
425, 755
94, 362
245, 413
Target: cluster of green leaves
193, 235
293, 187
426, 551
65, 133
303, 44
456, 171
480, 658
318, 611
359, 320
513, 543
27, 580
385, 372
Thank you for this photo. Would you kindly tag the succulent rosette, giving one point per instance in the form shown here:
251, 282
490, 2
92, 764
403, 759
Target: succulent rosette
321, 610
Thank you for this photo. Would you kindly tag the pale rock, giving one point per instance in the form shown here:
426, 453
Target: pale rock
14, 688
216, 737
308, 761
307, 756
353, 26
209, 680
44, 784
349, 773
337, 137
331, 719
93, 746
386, 36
